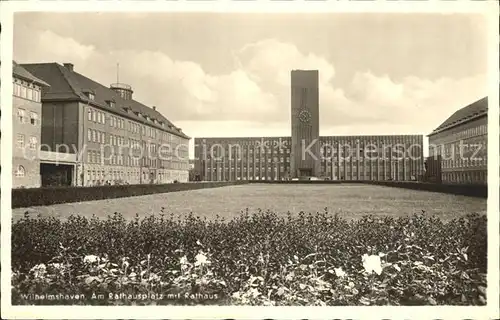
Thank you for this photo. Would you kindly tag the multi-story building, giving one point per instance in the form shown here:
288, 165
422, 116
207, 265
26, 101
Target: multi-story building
94, 135
26, 127
461, 142
305, 154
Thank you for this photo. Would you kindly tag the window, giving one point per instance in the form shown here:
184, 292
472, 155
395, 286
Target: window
90, 115
20, 140
33, 143
103, 118
98, 117
23, 92
29, 93
103, 137
21, 115
89, 135
94, 135
36, 95
17, 89
20, 171
94, 116
33, 118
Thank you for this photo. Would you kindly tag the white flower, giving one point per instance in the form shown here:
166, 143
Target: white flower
91, 259
154, 277
372, 263
254, 292
397, 267
236, 295
201, 259
261, 258
56, 266
39, 270
339, 272
184, 260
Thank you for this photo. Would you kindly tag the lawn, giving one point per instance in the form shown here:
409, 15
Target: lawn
350, 201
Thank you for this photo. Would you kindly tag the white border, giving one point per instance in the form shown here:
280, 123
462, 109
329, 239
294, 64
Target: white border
489, 8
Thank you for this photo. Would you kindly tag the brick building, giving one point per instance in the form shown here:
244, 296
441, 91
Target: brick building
461, 142
94, 135
305, 154
26, 127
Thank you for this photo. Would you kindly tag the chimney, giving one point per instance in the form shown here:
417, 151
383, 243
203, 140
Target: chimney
154, 108
69, 66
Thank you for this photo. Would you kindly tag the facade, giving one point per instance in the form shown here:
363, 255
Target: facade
340, 158
26, 127
305, 154
98, 135
461, 143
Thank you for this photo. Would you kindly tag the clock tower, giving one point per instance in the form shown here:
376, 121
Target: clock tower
305, 156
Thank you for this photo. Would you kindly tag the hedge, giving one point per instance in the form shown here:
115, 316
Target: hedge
24, 198
262, 258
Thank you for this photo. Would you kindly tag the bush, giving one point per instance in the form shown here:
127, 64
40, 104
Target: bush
253, 259
24, 198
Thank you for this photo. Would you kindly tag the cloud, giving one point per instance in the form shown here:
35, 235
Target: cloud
256, 92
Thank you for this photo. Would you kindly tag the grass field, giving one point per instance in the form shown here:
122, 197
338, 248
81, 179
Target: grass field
350, 201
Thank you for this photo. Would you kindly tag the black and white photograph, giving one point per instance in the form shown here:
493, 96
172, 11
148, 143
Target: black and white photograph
278, 159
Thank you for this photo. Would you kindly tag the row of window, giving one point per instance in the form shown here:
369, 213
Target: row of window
285, 144
284, 177
21, 143
287, 159
22, 116
96, 136
94, 156
217, 151
465, 176
98, 116
96, 177
465, 163
328, 169
25, 90
326, 151
464, 134
115, 140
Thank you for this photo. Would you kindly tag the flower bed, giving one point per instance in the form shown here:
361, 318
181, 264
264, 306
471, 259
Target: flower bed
253, 259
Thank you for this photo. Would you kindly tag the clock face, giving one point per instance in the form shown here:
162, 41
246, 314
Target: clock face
304, 115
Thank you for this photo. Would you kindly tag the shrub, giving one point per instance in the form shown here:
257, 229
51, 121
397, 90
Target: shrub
253, 259
24, 198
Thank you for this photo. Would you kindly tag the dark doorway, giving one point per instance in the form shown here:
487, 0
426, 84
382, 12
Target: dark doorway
56, 174
305, 172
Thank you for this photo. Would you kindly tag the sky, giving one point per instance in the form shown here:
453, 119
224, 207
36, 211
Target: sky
228, 74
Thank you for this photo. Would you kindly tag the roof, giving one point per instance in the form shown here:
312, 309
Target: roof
70, 85
19, 72
474, 110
